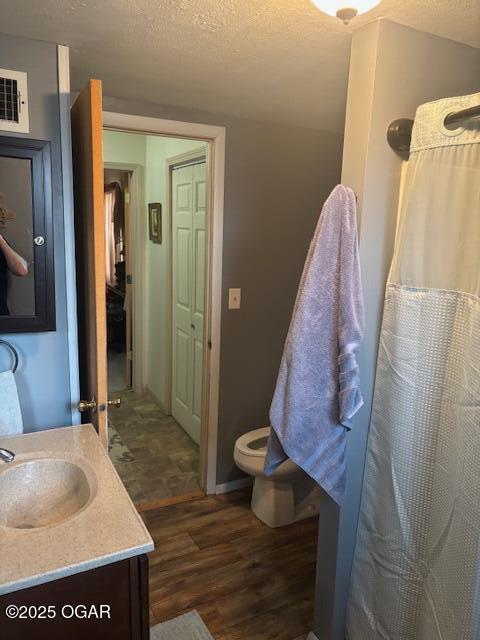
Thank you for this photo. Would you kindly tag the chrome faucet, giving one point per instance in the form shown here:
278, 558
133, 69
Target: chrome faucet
6, 455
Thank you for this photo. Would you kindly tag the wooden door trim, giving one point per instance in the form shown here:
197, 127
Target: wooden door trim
178, 161
99, 257
213, 296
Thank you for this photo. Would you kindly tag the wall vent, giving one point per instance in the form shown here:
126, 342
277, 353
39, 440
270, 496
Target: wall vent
13, 101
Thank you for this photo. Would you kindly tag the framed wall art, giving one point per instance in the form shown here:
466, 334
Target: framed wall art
155, 222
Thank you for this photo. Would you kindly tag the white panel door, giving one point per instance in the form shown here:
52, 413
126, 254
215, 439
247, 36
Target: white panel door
189, 202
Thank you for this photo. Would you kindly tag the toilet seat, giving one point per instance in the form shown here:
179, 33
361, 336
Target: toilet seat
273, 498
250, 452
254, 443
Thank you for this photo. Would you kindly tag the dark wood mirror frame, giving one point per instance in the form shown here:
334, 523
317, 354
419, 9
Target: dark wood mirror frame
38, 152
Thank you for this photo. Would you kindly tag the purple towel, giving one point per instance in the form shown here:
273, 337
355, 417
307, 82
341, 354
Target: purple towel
317, 391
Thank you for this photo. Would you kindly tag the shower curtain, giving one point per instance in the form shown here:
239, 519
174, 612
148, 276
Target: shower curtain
416, 572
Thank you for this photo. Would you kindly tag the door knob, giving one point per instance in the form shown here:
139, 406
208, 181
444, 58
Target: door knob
87, 405
115, 403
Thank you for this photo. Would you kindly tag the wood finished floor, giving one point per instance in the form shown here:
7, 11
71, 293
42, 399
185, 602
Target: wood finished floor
247, 581
158, 459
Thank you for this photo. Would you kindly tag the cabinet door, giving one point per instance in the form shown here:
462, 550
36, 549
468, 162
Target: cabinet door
121, 586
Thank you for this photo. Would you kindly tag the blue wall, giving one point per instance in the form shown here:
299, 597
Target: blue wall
43, 377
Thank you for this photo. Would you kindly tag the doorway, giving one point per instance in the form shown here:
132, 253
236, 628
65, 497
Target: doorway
88, 125
156, 297
118, 276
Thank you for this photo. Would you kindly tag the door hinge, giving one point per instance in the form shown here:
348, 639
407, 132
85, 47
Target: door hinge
129, 355
127, 197
129, 278
209, 343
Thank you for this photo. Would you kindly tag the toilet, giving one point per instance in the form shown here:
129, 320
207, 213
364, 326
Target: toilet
286, 496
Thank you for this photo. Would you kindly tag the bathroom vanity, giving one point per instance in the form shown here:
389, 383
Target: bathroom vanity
73, 545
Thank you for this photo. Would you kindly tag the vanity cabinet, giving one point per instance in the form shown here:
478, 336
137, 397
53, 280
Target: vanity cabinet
122, 587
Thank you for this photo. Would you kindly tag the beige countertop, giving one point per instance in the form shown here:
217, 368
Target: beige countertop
107, 529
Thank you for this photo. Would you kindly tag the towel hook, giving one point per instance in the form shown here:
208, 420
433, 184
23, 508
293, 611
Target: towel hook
14, 353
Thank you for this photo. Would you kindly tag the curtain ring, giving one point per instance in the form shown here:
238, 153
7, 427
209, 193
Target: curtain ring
14, 353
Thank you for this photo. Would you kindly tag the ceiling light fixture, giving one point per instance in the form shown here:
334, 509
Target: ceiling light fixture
345, 10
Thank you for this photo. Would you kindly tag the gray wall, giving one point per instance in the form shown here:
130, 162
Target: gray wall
276, 179
43, 376
393, 69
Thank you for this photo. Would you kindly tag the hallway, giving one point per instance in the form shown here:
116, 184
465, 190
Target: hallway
152, 454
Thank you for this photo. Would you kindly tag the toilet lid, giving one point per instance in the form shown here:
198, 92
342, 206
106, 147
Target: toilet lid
254, 443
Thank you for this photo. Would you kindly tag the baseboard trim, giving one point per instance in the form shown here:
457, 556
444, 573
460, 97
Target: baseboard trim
233, 485
153, 396
141, 507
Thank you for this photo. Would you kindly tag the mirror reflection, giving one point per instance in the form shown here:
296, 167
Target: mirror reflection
17, 292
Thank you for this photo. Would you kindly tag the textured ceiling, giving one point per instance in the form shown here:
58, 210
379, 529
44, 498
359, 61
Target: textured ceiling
279, 60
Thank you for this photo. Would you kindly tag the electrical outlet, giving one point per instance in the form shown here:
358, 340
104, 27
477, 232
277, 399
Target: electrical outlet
234, 296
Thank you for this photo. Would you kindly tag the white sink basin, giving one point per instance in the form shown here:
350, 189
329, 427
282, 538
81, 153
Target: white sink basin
42, 492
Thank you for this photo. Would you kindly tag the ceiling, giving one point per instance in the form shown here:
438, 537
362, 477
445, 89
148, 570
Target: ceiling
273, 60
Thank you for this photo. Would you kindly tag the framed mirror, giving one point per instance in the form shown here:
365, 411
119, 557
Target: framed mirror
27, 278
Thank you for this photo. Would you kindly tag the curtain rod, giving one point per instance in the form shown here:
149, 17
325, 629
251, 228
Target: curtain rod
399, 132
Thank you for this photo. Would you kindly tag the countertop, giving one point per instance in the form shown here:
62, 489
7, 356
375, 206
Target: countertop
106, 530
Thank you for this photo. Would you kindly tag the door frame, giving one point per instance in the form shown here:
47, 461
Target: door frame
63, 63
215, 135
182, 159
137, 232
